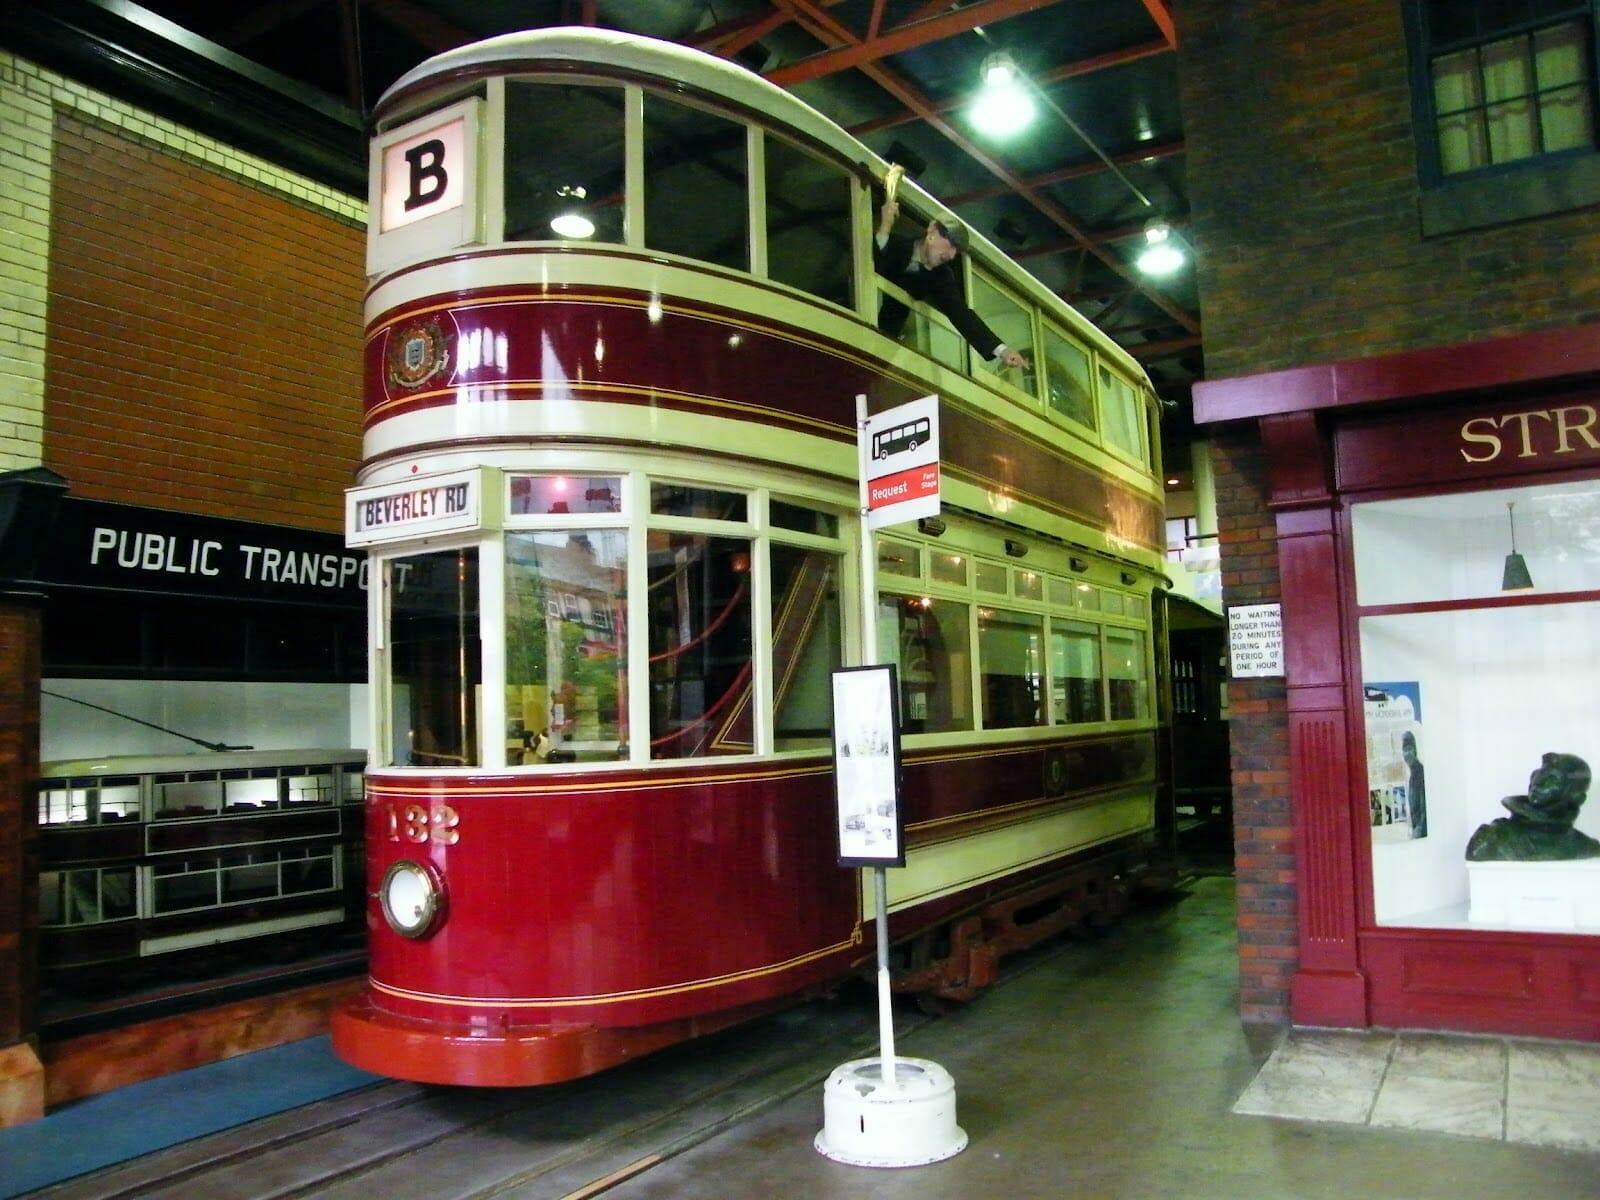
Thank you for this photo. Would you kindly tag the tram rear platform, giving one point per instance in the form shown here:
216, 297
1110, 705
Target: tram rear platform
1114, 1067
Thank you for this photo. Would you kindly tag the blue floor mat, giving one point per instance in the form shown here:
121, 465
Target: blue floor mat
101, 1130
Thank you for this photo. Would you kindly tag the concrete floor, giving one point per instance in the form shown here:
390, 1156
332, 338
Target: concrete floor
1111, 1072
1109, 1069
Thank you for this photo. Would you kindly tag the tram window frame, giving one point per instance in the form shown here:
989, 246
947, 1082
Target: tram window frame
1121, 409
1002, 309
1008, 694
613, 227
56, 890
386, 707
1081, 410
600, 504
673, 210
774, 236
1068, 607
555, 722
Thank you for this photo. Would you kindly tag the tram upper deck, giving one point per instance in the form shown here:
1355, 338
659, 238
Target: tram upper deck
723, 302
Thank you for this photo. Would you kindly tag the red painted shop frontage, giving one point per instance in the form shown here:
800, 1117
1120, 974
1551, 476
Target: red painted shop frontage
1437, 521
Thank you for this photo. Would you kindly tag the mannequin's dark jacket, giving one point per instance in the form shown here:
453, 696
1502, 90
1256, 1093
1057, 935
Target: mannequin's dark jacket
940, 287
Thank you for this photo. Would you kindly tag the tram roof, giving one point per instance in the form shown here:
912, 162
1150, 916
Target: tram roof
599, 52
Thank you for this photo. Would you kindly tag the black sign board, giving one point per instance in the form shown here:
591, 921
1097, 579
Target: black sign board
125, 548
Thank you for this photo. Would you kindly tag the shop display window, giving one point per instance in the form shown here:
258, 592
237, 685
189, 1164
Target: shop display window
1480, 665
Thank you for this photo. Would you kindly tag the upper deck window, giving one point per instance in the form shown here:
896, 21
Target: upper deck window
697, 178
808, 223
564, 155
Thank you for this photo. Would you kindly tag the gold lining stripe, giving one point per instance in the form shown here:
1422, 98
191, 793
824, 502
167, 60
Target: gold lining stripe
522, 785
675, 989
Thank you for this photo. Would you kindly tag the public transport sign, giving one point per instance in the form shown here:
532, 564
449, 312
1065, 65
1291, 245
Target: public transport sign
900, 453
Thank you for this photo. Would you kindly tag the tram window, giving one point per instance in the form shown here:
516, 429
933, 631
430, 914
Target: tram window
1012, 324
1068, 380
1027, 585
808, 223
1120, 413
1011, 661
564, 155
307, 870
311, 789
929, 642
700, 645
807, 644
697, 178
992, 578
435, 661
783, 515
63, 806
188, 884
86, 896
117, 802
566, 658
1087, 597
245, 877
1076, 695
251, 795
555, 495
948, 568
682, 500
899, 558
181, 797
1125, 675
1112, 603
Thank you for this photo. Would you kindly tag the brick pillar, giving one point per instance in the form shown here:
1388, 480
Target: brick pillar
1264, 865
21, 1073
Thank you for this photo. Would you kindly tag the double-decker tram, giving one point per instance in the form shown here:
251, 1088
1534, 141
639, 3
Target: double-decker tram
621, 306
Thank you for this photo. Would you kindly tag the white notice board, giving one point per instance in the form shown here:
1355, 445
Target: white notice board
1255, 640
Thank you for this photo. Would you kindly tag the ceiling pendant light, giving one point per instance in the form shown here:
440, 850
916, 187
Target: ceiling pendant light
571, 221
1003, 106
1515, 577
1161, 255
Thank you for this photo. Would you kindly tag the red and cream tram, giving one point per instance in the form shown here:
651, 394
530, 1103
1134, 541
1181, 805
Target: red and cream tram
621, 307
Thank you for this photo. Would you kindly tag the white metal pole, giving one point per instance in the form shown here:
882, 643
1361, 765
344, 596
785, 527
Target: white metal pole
869, 656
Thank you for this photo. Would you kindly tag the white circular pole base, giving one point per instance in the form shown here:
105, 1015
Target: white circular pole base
869, 1123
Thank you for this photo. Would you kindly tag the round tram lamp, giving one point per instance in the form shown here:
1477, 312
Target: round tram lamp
410, 898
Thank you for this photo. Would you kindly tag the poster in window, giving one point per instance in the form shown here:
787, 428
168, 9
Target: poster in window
1397, 792
866, 767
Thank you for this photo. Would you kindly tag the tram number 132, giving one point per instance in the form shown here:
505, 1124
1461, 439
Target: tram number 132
416, 823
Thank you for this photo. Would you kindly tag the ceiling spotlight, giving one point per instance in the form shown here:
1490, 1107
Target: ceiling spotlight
1004, 104
1161, 254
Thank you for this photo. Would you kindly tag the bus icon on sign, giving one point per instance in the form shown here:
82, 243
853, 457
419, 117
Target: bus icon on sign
900, 437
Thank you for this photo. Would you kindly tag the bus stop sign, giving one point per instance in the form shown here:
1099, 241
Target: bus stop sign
900, 463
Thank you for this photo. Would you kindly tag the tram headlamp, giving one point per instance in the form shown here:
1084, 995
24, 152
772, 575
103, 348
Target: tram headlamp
411, 899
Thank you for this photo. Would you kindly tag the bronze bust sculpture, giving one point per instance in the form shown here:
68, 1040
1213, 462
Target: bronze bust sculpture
1539, 828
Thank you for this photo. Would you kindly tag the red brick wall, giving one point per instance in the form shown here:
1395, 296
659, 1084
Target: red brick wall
204, 338
1303, 180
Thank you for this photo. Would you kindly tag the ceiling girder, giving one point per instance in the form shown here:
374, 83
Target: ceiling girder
828, 30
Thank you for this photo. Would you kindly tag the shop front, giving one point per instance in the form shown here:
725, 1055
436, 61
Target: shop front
1437, 520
